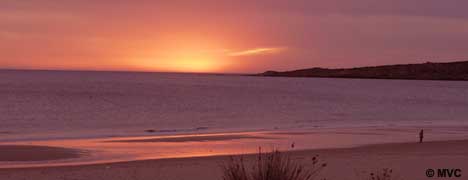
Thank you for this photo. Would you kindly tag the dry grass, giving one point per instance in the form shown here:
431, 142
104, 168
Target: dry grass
271, 166
384, 174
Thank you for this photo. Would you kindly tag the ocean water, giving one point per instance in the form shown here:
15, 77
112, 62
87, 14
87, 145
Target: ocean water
42, 105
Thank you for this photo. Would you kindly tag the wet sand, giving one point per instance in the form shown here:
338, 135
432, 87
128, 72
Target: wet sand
408, 161
16, 153
196, 138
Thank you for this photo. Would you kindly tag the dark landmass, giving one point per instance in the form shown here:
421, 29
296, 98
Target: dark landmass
426, 71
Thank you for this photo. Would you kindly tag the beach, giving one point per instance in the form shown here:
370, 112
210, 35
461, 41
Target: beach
408, 161
119, 125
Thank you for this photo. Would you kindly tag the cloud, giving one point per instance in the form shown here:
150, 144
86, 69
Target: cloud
257, 51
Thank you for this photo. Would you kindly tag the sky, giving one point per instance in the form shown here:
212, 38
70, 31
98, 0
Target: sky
229, 36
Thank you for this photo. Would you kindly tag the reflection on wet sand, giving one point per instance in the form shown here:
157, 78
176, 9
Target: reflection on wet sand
106, 150
195, 138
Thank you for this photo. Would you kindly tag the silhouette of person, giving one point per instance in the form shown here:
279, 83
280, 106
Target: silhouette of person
421, 135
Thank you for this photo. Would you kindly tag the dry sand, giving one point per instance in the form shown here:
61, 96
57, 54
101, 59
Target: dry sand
408, 160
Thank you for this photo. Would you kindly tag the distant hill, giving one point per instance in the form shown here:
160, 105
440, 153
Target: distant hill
426, 71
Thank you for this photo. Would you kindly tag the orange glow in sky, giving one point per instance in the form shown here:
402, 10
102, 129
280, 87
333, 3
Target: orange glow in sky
184, 63
228, 36
201, 60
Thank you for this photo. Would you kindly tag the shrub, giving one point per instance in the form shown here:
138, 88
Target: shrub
384, 174
271, 166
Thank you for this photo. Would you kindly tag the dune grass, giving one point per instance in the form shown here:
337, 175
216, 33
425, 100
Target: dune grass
273, 165
384, 174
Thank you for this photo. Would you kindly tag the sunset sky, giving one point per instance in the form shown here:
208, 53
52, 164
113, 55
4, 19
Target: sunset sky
231, 36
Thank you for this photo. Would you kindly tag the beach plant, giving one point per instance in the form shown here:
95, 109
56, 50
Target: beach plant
383, 174
273, 165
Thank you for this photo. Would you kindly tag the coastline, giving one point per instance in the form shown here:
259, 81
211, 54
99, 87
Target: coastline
443, 71
77, 152
344, 163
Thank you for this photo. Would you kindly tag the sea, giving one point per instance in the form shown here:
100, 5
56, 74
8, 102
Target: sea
57, 105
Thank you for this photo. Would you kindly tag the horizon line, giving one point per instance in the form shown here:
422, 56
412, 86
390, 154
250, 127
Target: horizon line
207, 73
118, 71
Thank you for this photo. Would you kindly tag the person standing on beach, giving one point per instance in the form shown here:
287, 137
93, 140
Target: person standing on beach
421, 135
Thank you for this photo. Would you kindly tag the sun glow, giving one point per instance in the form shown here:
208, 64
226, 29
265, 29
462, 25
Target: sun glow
184, 61
185, 53
200, 60
193, 65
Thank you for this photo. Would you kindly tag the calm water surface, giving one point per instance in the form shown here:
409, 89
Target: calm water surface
41, 105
